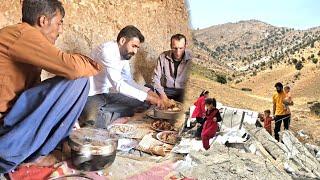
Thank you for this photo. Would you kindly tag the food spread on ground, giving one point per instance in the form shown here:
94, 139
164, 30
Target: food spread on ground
171, 106
174, 106
122, 129
153, 146
161, 125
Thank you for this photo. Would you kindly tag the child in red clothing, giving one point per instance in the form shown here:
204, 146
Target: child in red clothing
267, 121
200, 111
210, 126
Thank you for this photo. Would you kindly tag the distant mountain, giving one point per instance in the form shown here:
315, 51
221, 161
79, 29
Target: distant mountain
251, 45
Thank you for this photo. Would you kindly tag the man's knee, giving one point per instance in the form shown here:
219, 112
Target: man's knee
91, 110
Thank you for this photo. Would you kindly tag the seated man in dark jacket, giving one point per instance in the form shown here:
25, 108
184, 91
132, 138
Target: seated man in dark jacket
171, 72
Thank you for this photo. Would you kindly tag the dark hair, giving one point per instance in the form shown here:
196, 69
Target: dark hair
279, 84
267, 111
33, 9
204, 92
287, 87
130, 32
178, 37
211, 101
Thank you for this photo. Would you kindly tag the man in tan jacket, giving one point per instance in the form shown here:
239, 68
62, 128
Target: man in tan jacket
35, 116
171, 72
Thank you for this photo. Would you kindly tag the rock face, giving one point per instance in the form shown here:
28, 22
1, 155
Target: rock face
90, 22
220, 162
290, 155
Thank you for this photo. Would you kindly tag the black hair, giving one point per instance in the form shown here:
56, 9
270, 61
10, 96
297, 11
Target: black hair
211, 101
130, 32
267, 111
279, 84
178, 37
33, 9
204, 92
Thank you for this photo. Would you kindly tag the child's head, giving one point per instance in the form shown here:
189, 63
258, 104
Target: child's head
286, 89
204, 93
211, 103
267, 113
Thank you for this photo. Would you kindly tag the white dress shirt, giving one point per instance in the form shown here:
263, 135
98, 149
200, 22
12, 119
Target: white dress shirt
116, 76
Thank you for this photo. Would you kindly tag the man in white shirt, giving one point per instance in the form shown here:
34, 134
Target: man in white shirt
114, 86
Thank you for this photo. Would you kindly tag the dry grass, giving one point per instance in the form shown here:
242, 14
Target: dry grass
304, 89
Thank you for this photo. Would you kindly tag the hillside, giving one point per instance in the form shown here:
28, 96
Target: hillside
251, 56
304, 91
247, 46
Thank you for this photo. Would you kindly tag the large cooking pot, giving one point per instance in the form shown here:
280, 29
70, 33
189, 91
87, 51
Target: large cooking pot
92, 149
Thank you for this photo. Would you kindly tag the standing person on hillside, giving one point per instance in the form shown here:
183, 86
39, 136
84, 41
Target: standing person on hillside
287, 100
200, 112
36, 116
280, 114
267, 119
171, 72
210, 126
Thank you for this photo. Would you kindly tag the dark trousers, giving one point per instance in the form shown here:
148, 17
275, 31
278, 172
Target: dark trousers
172, 93
40, 119
98, 108
278, 120
199, 129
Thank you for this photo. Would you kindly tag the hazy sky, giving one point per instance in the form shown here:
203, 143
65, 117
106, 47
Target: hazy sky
298, 14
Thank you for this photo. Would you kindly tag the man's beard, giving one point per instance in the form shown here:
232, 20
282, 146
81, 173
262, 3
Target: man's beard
279, 91
128, 56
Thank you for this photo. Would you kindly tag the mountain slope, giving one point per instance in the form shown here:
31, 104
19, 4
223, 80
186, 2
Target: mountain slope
245, 46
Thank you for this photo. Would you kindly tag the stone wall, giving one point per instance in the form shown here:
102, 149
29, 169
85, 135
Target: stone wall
90, 22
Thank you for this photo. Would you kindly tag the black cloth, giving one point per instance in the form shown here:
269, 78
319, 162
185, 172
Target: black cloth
199, 129
278, 120
176, 64
172, 93
101, 109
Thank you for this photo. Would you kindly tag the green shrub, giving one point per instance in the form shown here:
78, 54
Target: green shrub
299, 65
294, 61
221, 79
315, 60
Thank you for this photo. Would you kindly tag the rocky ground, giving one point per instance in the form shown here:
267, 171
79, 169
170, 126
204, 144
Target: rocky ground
304, 90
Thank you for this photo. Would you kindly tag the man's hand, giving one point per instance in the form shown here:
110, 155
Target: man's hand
164, 96
167, 102
153, 98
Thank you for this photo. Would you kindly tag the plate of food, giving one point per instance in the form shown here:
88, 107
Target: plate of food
123, 130
173, 106
168, 137
171, 112
161, 125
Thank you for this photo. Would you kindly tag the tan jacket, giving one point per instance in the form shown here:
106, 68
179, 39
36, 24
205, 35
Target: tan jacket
164, 71
24, 51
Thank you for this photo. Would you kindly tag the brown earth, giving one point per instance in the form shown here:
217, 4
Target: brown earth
304, 89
